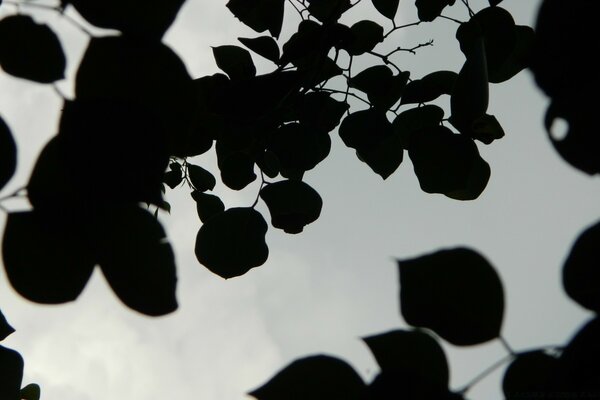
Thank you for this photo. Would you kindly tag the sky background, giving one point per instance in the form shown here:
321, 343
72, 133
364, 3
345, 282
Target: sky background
322, 290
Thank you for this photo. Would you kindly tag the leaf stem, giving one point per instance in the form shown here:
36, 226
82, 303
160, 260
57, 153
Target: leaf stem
451, 19
397, 27
506, 346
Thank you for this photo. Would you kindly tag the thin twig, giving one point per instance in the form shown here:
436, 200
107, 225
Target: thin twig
451, 19
485, 373
395, 28
412, 50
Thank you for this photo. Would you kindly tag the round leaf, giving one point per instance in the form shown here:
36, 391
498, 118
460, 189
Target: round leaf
328, 11
381, 86
233, 242
581, 272
456, 293
173, 178
46, 261
31, 51
529, 374
292, 204
318, 377
8, 154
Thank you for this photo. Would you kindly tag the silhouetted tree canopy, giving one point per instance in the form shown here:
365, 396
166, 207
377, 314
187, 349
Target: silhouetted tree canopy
274, 127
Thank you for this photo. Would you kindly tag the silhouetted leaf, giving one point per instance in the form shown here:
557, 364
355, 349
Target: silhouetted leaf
428, 10
31, 51
581, 274
268, 163
370, 133
494, 2
381, 86
367, 34
264, 46
260, 15
132, 17
11, 371
448, 163
237, 169
414, 120
470, 96
292, 204
233, 242
454, 292
412, 355
579, 363
320, 71
207, 205
429, 88
144, 75
318, 377
387, 8
31, 392
393, 386
304, 45
173, 178
137, 260
5, 328
235, 62
529, 375
519, 59
45, 262
88, 138
486, 129
328, 11
496, 27
320, 110
201, 179
8, 154
299, 147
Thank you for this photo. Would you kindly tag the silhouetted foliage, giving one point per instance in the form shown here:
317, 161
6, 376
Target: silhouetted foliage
135, 101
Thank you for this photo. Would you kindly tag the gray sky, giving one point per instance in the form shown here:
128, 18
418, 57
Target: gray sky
322, 290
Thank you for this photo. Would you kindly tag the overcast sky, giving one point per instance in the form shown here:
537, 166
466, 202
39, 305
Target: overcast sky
322, 290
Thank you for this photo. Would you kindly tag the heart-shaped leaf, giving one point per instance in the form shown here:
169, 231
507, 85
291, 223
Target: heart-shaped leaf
456, 293
292, 204
233, 242
367, 34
